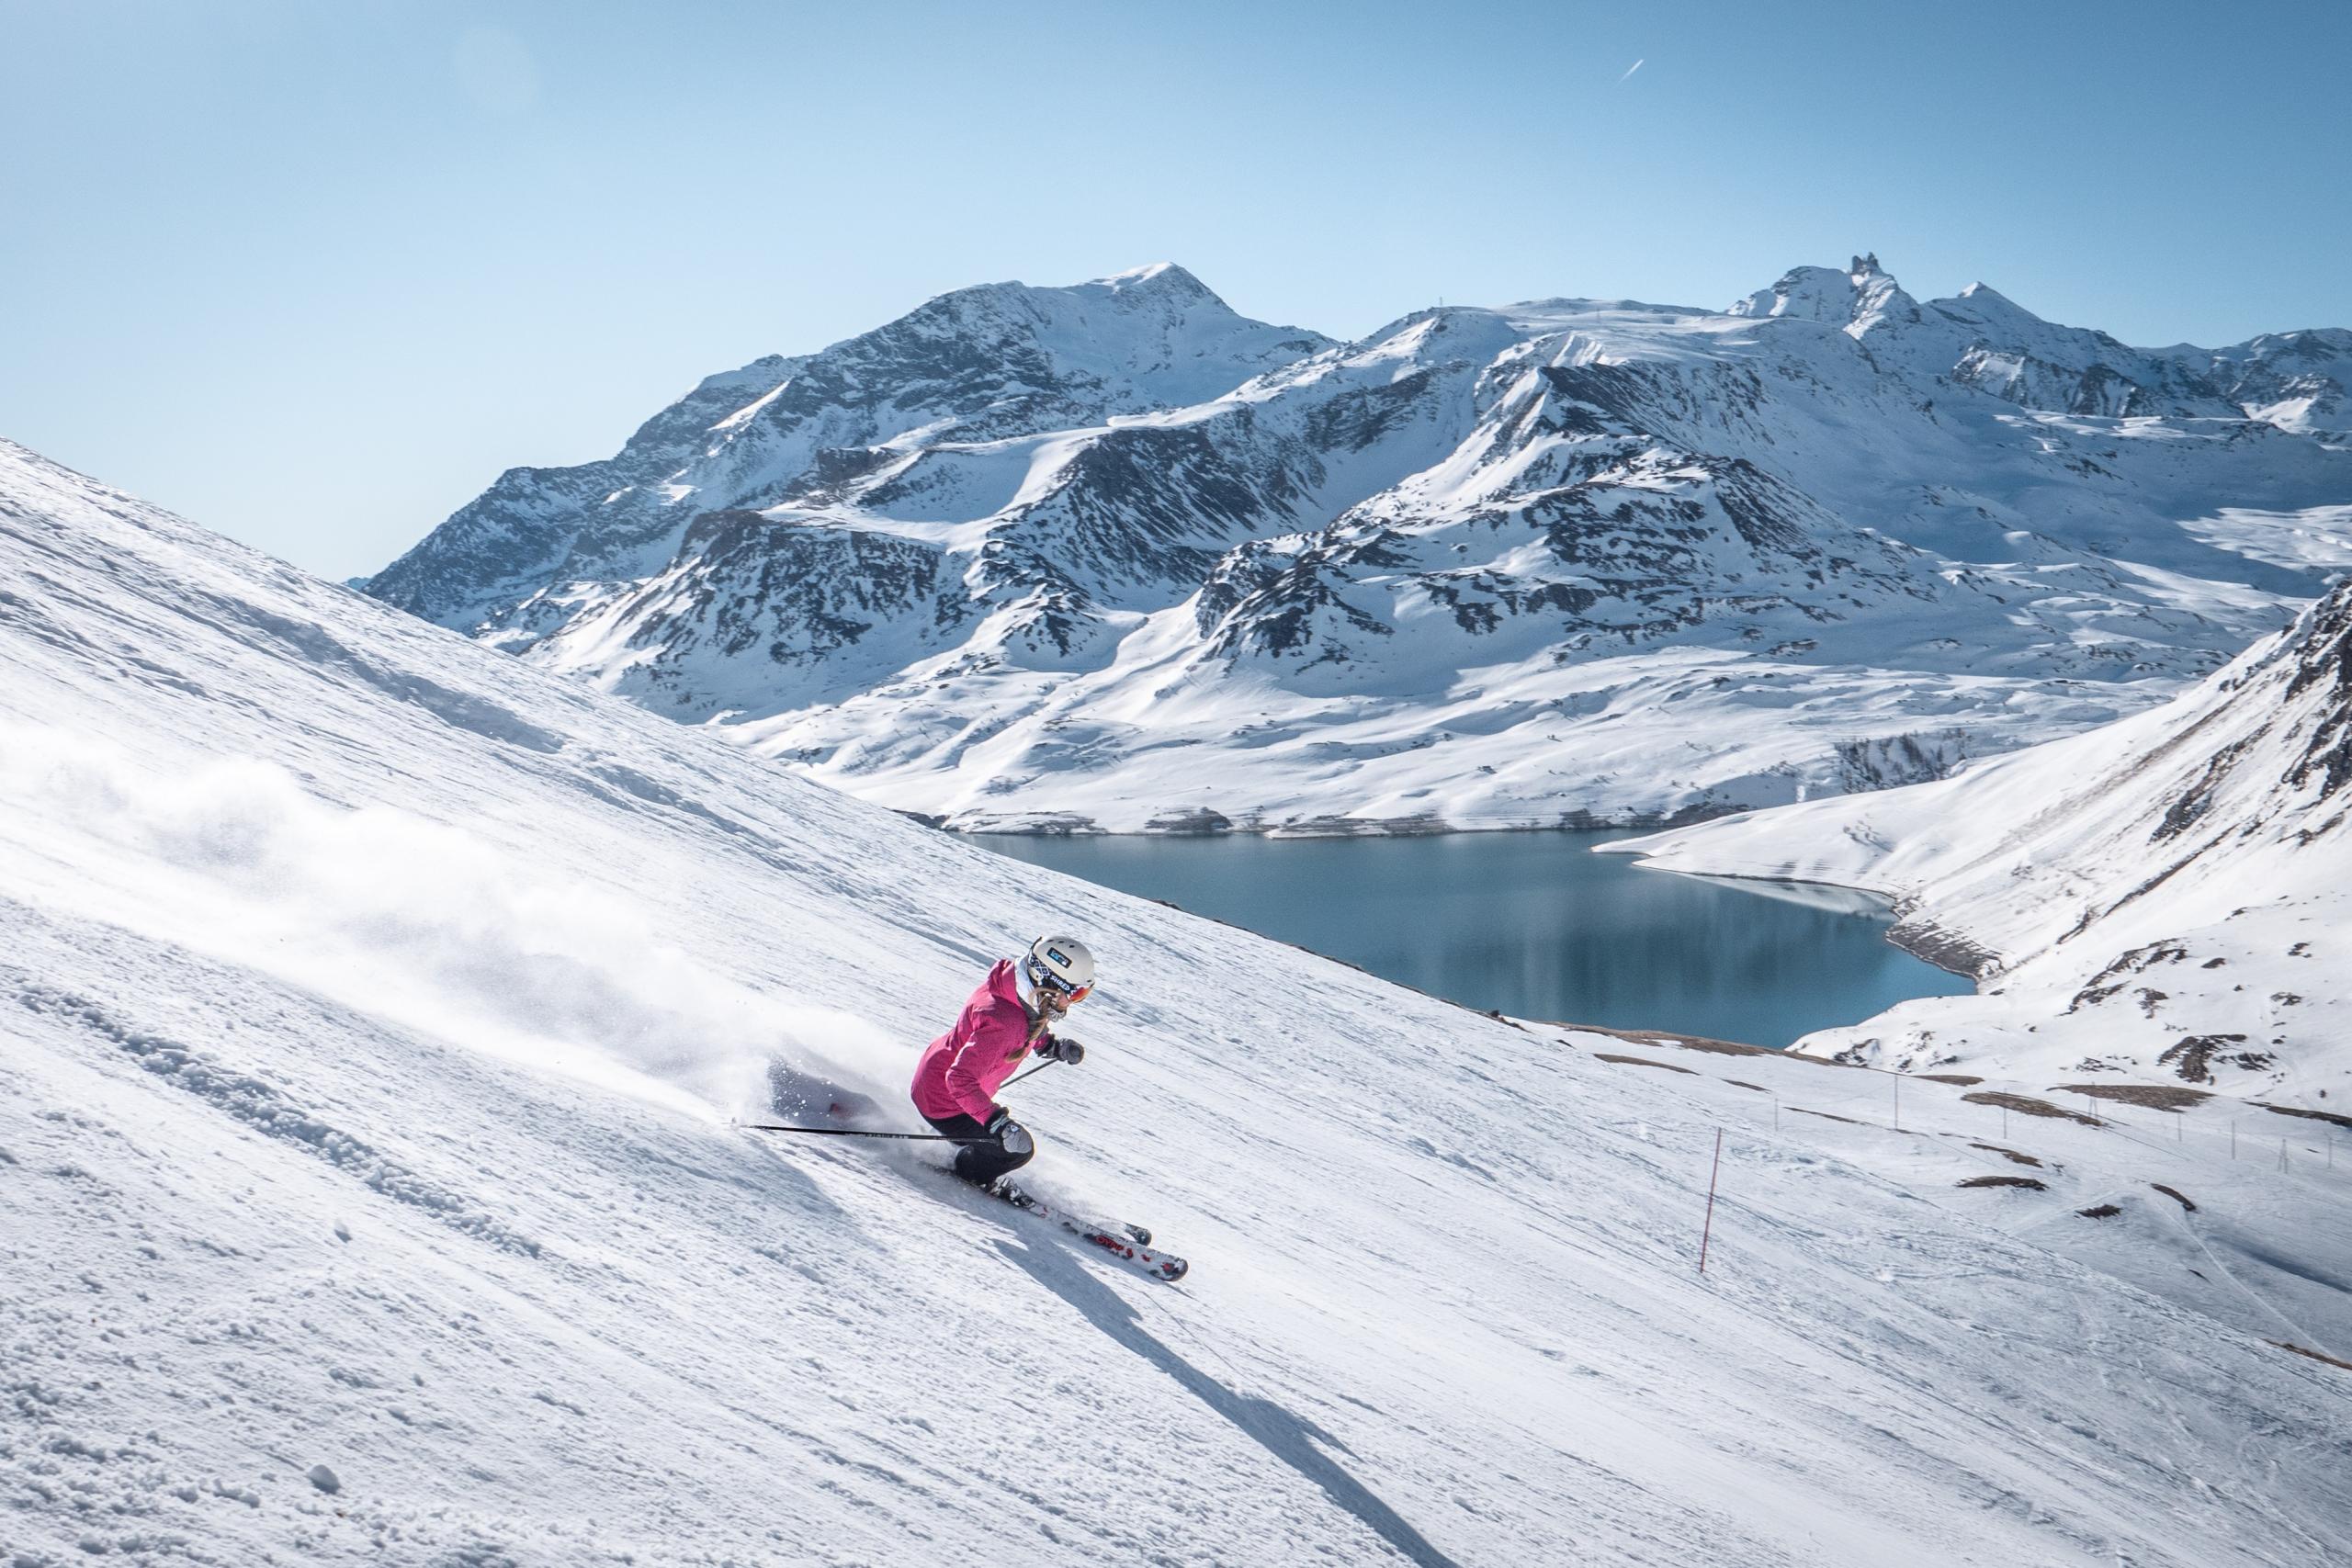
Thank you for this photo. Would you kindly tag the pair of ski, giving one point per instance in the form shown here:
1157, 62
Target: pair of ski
1130, 1245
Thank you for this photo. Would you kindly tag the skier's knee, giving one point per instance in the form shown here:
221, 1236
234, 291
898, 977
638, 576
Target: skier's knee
1015, 1156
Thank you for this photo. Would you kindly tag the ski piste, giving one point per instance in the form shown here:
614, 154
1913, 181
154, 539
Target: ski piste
1131, 1245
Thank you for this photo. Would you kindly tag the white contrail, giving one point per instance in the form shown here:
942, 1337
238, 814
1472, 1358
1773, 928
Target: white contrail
1633, 67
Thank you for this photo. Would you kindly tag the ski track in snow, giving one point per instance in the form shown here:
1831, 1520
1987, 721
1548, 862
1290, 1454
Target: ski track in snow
372, 1006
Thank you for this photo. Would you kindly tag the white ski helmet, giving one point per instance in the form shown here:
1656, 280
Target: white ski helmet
1061, 963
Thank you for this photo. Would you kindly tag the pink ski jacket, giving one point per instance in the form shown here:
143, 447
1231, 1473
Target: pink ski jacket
960, 1073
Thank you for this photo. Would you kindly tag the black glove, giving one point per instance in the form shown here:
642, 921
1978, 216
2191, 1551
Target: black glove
1061, 1050
1010, 1136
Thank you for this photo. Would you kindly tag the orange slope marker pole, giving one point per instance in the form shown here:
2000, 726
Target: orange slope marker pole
1709, 1229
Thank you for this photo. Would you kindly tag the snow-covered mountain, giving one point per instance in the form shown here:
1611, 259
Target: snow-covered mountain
2163, 900
369, 1004
975, 367
1112, 556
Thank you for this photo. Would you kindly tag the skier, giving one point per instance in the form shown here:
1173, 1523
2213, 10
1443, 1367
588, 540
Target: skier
1010, 1016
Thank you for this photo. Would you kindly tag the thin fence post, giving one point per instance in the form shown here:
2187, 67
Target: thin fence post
1776, 1116
2178, 1117
1708, 1230
1898, 1102
2234, 1138
2282, 1154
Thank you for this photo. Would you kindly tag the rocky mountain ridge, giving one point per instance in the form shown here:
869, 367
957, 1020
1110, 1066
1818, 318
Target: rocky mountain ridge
1116, 556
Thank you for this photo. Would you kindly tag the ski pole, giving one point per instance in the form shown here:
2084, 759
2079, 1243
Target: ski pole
915, 1137
1032, 1072
856, 1132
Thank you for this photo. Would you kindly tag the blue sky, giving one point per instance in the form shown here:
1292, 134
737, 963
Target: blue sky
313, 274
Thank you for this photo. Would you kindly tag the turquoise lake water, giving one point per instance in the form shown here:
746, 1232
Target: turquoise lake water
1534, 924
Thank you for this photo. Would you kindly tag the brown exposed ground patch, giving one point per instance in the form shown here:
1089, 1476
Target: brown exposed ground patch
2179, 1198
2298, 1111
2025, 1181
2028, 1106
2154, 1096
2314, 1355
1640, 1062
2100, 1211
1689, 1042
1961, 1078
1697, 1043
2009, 1154
1742, 1083
1825, 1116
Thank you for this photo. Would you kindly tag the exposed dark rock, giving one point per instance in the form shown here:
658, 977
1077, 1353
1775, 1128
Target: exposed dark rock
2118, 973
2194, 1056
2192, 803
1947, 950
1190, 820
2324, 663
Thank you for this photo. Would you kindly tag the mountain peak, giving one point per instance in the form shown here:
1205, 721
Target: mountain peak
1854, 300
1164, 279
1983, 303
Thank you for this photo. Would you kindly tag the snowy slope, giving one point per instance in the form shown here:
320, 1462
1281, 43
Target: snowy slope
2206, 1201
370, 1007
2162, 899
1566, 560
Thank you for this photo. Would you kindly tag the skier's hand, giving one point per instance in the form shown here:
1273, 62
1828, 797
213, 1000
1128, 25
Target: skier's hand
1010, 1135
1062, 1050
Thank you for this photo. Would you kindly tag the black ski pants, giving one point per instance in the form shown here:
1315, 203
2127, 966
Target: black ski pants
984, 1159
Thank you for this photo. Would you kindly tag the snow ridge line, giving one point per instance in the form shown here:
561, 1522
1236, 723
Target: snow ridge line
264, 1109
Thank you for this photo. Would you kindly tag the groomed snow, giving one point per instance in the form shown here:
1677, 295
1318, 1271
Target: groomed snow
371, 1004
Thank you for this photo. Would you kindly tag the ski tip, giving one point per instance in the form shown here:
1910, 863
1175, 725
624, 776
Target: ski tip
1174, 1268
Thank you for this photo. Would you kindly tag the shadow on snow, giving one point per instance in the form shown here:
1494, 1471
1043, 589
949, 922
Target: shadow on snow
1297, 1442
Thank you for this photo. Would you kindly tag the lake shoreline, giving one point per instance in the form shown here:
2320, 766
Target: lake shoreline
1533, 925
1948, 951
1418, 826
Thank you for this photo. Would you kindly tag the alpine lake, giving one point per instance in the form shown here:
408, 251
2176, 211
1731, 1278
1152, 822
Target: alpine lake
1533, 924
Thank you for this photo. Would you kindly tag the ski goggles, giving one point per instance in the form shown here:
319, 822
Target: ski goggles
1055, 984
